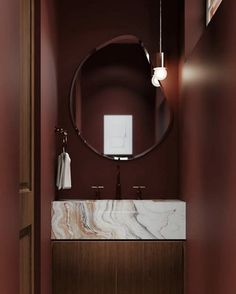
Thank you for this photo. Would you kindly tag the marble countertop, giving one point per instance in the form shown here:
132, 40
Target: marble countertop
118, 219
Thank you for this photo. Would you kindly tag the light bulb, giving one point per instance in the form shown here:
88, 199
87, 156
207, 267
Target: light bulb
155, 81
160, 73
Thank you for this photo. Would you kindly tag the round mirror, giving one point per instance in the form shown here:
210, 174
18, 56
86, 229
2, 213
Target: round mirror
114, 107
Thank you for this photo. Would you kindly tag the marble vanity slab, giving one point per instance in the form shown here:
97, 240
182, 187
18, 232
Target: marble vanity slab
119, 219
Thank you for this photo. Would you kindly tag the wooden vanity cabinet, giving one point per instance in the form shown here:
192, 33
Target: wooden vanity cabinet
118, 267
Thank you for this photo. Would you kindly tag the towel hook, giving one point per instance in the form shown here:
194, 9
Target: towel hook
64, 133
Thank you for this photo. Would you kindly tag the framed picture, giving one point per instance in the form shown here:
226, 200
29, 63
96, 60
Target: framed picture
212, 6
118, 134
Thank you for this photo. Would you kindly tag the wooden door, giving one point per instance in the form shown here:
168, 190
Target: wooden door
26, 147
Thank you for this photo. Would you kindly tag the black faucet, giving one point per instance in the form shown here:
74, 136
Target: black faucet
139, 191
118, 184
97, 190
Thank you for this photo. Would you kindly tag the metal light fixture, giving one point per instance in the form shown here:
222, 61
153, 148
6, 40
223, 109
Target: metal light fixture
160, 71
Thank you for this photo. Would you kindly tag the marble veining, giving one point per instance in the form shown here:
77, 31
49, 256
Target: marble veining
119, 219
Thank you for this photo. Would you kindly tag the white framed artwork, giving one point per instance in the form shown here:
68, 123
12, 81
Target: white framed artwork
212, 6
118, 134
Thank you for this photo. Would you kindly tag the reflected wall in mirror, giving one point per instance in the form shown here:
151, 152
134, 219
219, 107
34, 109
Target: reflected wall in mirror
114, 107
212, 6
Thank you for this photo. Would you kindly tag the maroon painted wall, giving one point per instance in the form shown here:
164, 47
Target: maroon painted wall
195, 23
9, 150
209, 158
48, 119
82, 27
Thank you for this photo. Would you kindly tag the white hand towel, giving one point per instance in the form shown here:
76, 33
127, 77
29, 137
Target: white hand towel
63, 171
59, 165
66, 177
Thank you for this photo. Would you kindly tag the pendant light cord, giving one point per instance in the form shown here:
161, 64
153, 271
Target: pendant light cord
160, 26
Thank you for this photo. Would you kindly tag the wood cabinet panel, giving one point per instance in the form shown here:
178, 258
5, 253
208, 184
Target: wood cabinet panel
130, 278
163, 267
84, 267
150, 267
117, 267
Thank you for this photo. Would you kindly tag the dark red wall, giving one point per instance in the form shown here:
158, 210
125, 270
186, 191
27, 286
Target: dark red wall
209, 158
82, 27
195, 23
48, 118
9, 150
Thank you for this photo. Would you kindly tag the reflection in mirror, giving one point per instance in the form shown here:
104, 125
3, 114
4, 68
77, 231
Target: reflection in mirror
212, 6
114, 107
118, 134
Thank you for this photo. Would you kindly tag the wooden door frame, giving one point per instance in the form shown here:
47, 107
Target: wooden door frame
33, 229
37, 144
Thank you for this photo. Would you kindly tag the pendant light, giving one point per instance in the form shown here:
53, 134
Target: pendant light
160, 71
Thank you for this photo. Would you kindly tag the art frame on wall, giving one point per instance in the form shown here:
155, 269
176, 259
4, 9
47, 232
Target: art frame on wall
211, 8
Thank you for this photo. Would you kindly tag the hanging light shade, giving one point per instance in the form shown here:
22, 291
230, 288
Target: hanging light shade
160, 71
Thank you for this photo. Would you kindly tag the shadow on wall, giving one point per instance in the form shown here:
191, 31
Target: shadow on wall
209, 160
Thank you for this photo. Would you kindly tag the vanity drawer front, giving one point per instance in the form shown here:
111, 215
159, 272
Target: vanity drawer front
84, 267
119, 267
150, 267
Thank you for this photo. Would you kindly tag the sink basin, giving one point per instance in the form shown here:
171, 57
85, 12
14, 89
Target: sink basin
119, 219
